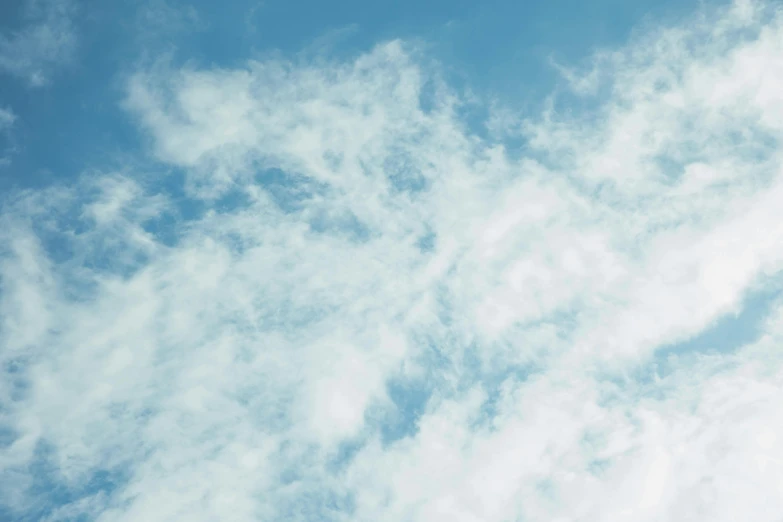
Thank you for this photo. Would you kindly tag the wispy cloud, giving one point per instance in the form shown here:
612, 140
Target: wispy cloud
45, 42
361, 310
7, 120
161, 21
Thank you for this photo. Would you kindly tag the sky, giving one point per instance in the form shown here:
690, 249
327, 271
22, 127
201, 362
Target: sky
391, 261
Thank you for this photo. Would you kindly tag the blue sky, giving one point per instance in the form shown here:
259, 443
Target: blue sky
353, 261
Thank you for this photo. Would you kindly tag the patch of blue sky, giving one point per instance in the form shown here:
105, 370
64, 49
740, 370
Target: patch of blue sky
339, 461
427, 242
72, 123
15, 381
342, 224
316, 505
49, 492
494, 379
410, 399
718, 342
60, 231
729, 334
404, 175
397, 417
289, 192
447, 378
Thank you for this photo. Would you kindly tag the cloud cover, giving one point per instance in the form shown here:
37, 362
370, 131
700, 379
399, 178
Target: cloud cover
358, 308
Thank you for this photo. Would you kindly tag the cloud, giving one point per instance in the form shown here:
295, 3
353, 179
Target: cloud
45, 42
7, 121
158, 21
347, 246
7, 118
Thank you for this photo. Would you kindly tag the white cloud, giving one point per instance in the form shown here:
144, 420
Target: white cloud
558, 451
7, 118
238, 369
7, 121
46, 41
